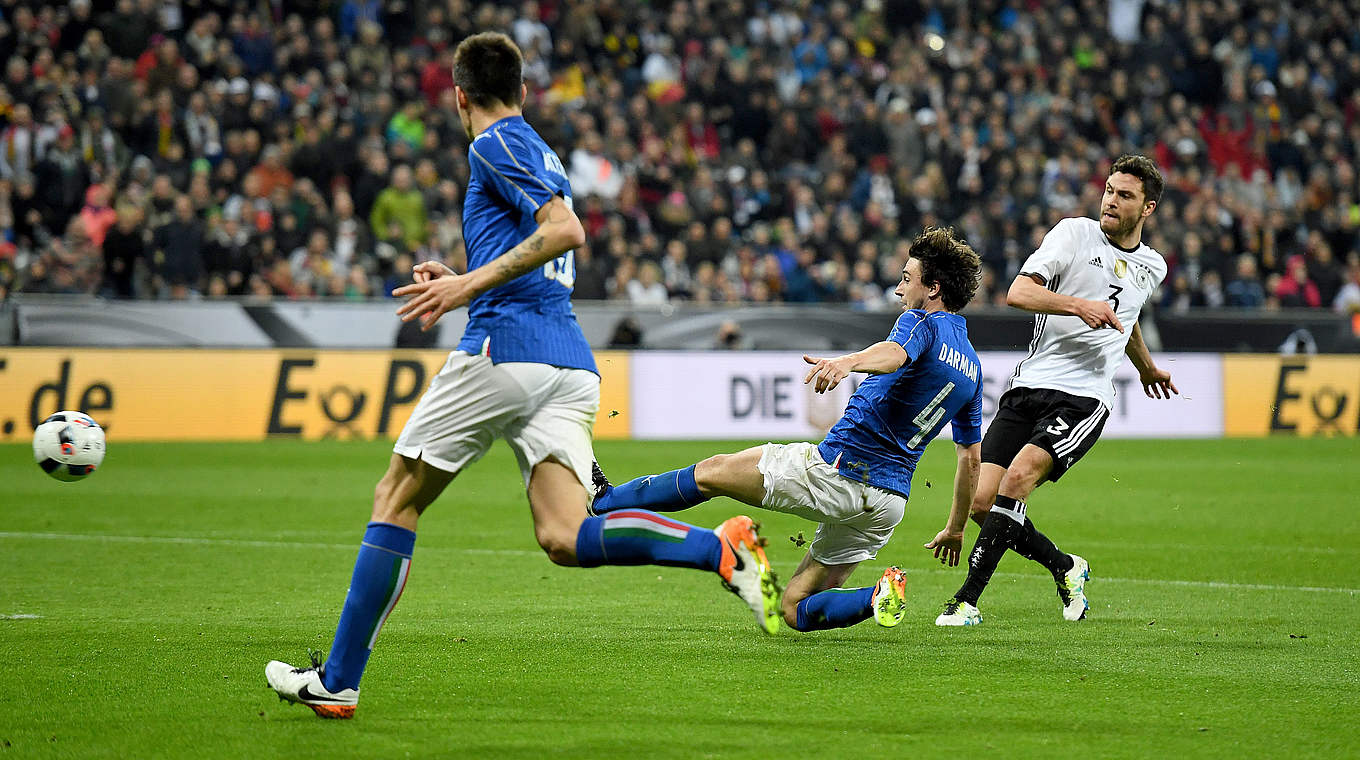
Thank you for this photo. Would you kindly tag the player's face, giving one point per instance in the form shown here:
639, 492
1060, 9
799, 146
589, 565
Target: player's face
911, 290
1123, 205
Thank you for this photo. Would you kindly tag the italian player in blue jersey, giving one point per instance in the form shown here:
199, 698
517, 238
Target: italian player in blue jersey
523, 372
855, 483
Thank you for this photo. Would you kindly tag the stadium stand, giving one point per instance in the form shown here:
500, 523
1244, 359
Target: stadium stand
720, 152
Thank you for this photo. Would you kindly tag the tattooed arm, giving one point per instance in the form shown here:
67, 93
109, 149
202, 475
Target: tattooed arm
442, 291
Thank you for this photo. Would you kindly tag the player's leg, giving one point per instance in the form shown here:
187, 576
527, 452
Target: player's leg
554, 449
734, 551
989, 483
1065, 427
380, 571
815, 598
1004, 464
403, 493
1004, 526
1069, 571
454, 423
1033, 545
856, 521
733, 475
1066, 444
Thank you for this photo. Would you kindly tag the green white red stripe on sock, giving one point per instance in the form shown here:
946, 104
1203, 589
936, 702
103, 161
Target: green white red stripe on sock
401, 569
630, 523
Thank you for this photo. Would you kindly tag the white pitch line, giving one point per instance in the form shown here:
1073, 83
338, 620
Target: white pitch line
1190, 584
1236, 549
198, 541
21, 616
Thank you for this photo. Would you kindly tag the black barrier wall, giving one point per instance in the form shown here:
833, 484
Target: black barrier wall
49, 321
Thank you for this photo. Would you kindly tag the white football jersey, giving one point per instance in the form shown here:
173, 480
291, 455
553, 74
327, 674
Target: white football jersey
1065, 354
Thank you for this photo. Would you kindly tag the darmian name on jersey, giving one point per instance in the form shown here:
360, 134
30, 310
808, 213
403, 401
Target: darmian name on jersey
958, 361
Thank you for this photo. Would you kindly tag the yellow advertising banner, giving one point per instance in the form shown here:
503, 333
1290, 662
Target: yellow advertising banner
242, 395
1291, 395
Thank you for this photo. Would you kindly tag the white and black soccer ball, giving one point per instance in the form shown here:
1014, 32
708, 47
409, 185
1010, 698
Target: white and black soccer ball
68, 445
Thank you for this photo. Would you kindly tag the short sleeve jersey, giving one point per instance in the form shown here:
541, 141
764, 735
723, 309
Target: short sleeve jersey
529, 319
891, 417
1065, 354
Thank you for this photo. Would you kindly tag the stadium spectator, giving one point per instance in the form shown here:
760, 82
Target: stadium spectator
270, 174
1295, 288
230, 254
179, 251
61, 178
124, 252
1348, 298
1246, 290
95, 216
646, 289
20, 146
400, 204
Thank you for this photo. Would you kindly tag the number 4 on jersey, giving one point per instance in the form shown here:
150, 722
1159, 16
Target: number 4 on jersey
930, 416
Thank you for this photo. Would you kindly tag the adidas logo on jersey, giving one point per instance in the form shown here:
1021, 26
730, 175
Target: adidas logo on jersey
1096, 262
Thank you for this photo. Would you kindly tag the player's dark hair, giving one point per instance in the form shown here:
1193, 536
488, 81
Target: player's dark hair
489, 68
1143, 168
950, 262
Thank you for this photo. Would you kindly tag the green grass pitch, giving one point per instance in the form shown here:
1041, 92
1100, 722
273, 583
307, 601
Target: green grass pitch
137, 610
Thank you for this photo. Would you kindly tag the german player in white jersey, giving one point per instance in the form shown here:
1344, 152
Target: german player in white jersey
1088, 279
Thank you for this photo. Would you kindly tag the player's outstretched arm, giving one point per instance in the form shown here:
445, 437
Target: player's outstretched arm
1027, 293
558, 231
879, 359
1156, 382
948, 543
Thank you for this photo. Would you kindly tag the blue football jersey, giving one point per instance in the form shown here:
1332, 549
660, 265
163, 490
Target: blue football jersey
529, 319
891, 418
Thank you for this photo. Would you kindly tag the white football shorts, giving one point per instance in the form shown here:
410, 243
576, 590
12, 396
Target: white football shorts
542, 411
854, 519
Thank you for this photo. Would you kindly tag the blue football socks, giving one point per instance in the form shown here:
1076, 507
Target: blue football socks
667, 492
835, 608
639, 537
379, 577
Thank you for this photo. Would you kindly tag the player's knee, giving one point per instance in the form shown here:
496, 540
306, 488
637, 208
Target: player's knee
708, 474
1019, 480
979, 510
788, 607
981, 504
560, 547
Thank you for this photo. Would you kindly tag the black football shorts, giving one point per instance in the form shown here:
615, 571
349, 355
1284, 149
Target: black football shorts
1064, 425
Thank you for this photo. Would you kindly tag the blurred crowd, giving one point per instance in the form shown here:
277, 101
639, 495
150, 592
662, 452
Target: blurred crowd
719, 151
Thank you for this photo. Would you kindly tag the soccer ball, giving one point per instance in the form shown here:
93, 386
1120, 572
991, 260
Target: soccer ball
68, 445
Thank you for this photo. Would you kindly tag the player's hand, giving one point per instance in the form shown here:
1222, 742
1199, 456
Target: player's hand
948, 546
429, 270
1157, 383
434, 298
1097, 314
827, 373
